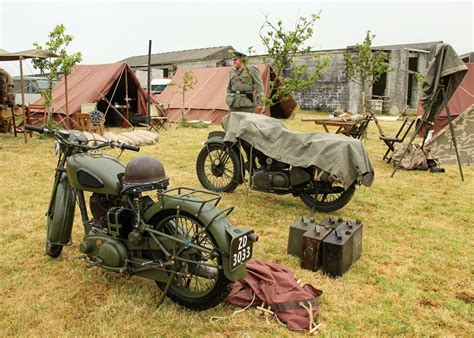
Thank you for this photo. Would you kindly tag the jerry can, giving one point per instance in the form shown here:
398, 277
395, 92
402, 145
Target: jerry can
313, 246
295, 237
356, 229
337, 252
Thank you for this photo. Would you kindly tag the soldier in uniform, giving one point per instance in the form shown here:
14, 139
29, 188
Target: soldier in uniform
245, 90
7, 89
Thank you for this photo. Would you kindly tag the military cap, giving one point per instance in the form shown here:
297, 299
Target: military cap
236, 55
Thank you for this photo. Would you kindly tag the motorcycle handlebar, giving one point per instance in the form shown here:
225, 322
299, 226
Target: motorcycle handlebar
129, 147
34, 128
42, 130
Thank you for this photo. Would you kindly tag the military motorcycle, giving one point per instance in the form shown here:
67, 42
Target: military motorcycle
176, 237
321, 169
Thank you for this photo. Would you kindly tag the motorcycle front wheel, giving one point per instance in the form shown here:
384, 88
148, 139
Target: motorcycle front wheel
217, 168
197, 285
330, 199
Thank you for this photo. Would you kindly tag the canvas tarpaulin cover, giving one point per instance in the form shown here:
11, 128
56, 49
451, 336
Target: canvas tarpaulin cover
26, 54
344, 158
446, 70
461, 100
207, 100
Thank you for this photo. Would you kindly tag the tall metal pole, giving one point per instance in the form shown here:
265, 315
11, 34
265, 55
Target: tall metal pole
68, 124
148, 78
126, 96
22, 84
453, 135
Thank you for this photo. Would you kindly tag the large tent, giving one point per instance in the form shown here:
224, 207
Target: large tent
206, 101
99, 84
441, 144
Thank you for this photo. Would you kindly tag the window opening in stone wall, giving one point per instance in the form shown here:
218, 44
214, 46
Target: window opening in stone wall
379, 86
412, 87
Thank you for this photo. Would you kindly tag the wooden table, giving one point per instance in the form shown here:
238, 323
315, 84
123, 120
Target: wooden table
346, 127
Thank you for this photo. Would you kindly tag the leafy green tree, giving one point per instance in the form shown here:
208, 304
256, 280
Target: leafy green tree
365, 66
282, 46
189, 81
57, 43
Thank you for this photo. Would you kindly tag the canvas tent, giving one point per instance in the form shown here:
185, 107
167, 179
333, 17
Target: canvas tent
462, 99
20, 56
206, 101
441, 144
93, 83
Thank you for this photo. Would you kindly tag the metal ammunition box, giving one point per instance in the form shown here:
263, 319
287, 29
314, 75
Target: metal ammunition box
295, 238
313, 246
337, 253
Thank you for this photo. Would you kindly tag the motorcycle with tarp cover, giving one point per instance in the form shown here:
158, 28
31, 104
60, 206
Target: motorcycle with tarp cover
321, 169
176, 237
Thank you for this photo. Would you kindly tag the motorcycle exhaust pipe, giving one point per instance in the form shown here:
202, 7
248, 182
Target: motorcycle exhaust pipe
207, 272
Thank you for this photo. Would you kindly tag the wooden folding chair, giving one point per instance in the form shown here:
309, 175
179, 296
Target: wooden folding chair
391, 141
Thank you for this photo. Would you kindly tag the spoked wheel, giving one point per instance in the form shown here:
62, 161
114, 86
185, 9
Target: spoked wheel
217, 168
327, 197
198, 284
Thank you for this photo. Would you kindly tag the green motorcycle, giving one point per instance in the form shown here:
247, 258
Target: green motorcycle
176, 237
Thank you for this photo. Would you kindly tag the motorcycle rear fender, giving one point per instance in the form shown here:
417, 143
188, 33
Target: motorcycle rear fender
220, 228
59, 221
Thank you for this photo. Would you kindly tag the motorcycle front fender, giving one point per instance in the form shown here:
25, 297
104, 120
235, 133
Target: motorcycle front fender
61, 216
218, 225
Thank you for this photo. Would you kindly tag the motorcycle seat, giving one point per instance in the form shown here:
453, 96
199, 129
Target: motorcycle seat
135, 188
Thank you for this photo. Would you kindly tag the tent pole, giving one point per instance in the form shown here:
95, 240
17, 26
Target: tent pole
148, 78
68, 125
126, 97
453, 135
22, 99
112, 97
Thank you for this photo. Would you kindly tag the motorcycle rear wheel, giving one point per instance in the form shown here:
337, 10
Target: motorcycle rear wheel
217, 168
329, 201
190, 289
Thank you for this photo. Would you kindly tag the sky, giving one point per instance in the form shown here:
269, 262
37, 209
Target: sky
110, 31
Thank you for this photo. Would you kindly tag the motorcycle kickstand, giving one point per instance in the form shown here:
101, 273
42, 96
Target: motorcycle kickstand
165, 291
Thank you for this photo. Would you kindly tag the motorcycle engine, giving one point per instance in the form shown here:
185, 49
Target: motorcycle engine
270, 180
99, 205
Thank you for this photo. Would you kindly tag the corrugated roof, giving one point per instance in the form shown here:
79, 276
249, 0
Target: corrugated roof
178, 56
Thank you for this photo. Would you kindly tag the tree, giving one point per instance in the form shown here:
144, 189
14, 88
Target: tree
57, 43
281, 47
364, 66
189, 81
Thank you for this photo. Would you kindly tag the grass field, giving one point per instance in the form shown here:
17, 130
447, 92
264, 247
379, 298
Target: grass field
415, 276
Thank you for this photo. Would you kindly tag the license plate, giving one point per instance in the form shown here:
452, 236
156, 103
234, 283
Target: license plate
241, 249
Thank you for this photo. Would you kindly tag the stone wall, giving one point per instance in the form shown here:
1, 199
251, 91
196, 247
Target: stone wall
331, 90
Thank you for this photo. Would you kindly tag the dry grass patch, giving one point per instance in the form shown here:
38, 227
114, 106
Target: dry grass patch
415, 275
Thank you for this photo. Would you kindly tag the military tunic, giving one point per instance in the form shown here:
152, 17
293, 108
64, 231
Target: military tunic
245, 89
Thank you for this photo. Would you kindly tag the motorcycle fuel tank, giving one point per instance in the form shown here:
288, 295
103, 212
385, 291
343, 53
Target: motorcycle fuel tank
97, 173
